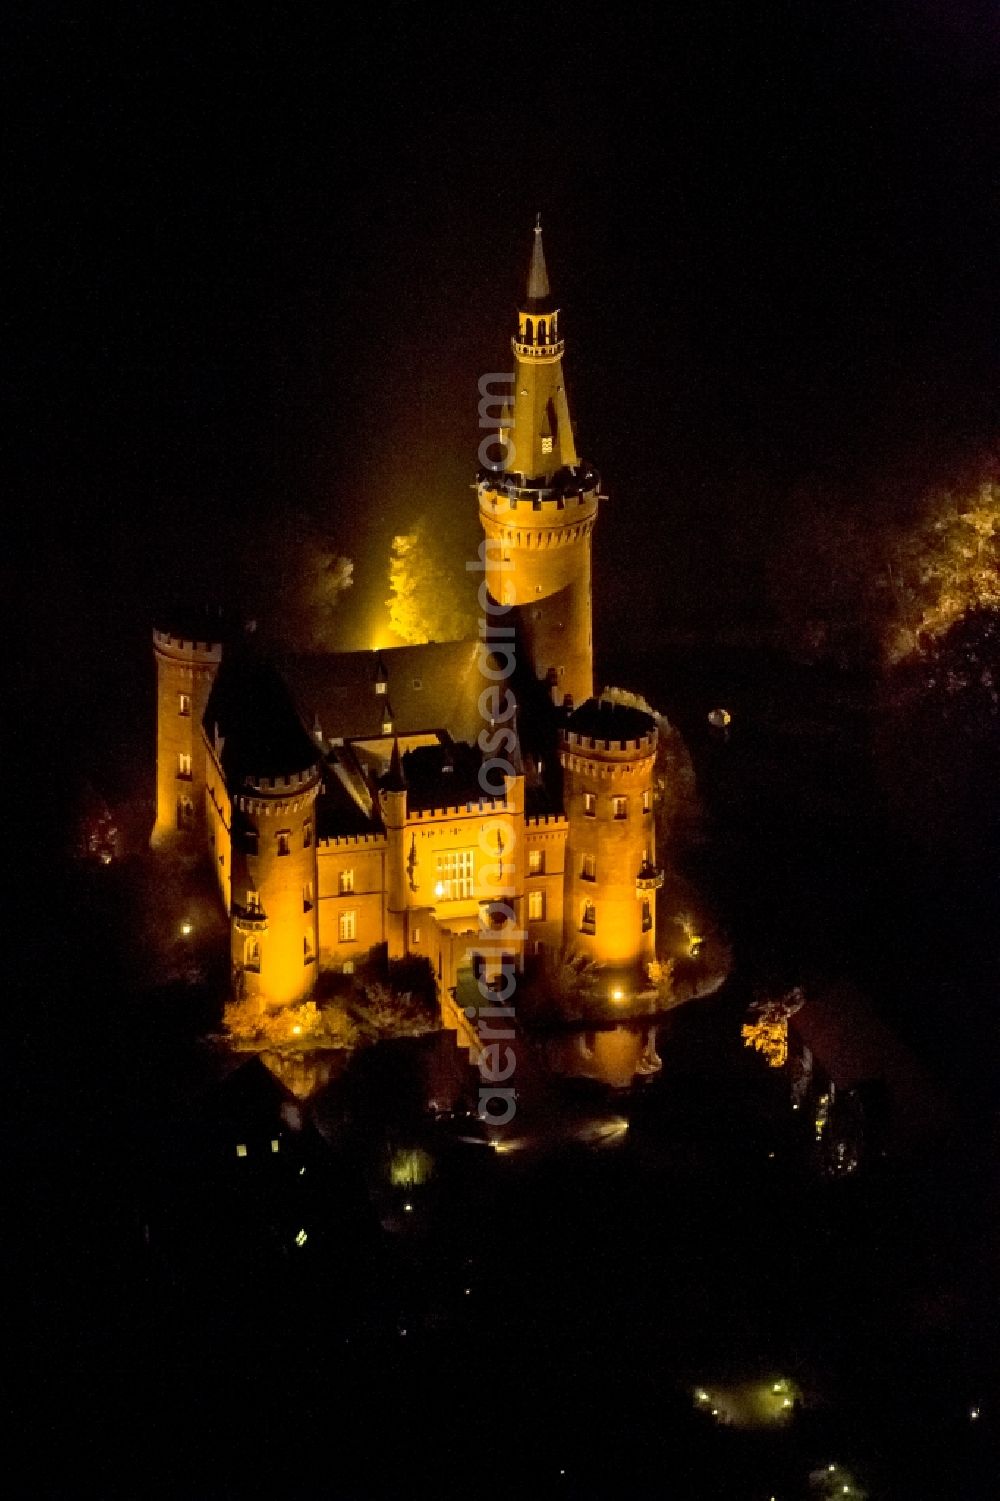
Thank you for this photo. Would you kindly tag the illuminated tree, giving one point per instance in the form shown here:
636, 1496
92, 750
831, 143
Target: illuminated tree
944, 568
767, 1029
423, 602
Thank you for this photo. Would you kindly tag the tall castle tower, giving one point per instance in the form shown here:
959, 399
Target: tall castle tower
538, 505
186, 665
607, 751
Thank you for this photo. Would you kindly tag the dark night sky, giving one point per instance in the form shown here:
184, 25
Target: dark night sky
261, 255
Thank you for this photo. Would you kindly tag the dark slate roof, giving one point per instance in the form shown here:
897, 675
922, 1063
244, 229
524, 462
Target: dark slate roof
345, 805
603, 719
263, 735
443, 776
431, 687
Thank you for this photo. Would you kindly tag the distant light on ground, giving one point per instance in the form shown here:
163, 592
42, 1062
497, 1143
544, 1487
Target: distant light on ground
750, 1404
618, 995
187, 928
301, 1238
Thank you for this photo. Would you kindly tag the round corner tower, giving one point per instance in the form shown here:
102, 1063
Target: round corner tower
538, 504
607, 751
186, 665
274, 915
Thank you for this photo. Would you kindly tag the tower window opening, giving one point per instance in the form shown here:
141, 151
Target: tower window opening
307, 897
251, 956
308, 952
284, 838
184, 705
536, 906
307, 836
347, 927
647, 801
647, 916
346, 883
546, 445
619, 806
184, 766
380, 686
253, 901
590, 804
588, 918
185, 813
588, 868
536, 862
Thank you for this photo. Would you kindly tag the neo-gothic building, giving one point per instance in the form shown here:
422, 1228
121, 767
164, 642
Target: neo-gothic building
469, 801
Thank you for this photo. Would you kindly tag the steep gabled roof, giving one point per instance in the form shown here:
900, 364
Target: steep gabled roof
431, 687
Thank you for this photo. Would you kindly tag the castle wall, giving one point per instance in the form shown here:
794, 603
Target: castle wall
351, 877
546, 837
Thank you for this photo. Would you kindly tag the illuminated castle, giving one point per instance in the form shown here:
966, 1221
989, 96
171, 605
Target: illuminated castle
471, 801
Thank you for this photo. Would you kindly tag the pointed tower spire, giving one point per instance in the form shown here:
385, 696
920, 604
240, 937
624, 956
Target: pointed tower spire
538, 504
538, 276
394, 780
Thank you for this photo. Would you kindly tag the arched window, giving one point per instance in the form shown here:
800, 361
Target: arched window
588, 918
251, 955
185, 813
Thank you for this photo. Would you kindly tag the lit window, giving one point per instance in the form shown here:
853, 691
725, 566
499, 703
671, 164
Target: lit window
307, 836
588, 868
284, 842
588, 918
251, 956
416, 935
253, 901
454, 876
619, 807
647, 800
184, 705
386, 725
546, 445
647, 917
241, 1149
348, 927
590, 804
536, 906
346, 882
184, 766
348, 967
307, 897
536, 862
274, 1144
380, 686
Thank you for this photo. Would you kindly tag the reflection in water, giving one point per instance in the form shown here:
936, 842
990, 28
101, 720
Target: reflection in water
617, 1056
